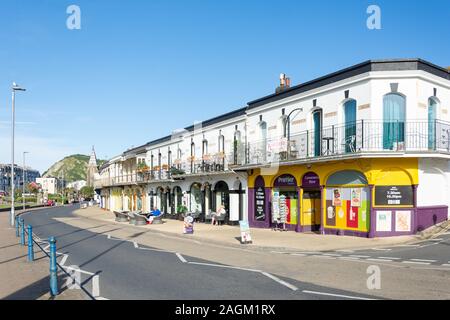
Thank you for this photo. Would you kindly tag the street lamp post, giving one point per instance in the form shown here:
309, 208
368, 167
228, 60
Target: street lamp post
288, 119
23, 179
14, 88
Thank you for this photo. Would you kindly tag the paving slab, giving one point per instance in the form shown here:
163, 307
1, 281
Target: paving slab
23, 280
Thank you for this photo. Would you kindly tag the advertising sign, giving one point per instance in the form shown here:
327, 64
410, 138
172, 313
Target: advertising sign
245, 232
310, 180
260, 204
275, 206
394, 196
337, 202
277, 145
356, 197
384, 221
403, 221
188, 225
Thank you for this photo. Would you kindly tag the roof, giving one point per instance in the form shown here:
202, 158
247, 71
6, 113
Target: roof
367, 66
361, 68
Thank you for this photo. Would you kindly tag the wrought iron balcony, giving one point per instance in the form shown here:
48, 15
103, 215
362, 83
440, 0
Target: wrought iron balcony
363, 136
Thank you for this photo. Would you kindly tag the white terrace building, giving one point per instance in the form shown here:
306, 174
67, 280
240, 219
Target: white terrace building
354, 152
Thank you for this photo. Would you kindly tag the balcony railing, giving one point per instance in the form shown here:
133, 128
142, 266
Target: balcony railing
353, 138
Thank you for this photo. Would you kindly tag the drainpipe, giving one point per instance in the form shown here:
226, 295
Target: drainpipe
372, 226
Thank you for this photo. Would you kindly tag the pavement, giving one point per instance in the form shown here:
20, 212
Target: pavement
262, 239
23, 280
119, 261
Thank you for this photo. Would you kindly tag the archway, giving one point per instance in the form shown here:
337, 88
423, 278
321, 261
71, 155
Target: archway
195, 203
222, 198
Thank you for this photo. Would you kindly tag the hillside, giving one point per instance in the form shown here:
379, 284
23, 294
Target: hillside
74, 168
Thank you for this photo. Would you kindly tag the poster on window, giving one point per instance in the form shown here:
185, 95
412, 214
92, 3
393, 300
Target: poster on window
337, 201
352, 217
356, 197
384, 221
283, 209
403, 221
275, 206
260, 203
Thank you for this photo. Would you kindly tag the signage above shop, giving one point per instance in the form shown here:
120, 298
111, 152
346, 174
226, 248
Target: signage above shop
310, 180
394, 196
285, 180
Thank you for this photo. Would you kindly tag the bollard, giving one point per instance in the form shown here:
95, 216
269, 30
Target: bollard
17, 227
22, 232
30, 244
53, 268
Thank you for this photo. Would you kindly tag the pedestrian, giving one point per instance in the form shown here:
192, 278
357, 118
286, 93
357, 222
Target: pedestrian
220, 211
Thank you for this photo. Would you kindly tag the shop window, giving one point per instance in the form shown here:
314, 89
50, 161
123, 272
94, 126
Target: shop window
195, 198
347, 201
285, 200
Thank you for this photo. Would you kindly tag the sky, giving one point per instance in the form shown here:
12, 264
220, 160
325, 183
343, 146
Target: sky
138, 69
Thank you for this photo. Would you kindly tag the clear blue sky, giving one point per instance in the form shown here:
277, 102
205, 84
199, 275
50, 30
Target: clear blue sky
138, 69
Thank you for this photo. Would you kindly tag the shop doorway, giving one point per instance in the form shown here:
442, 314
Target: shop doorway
222, 197
311, 210
311, 202
285, 201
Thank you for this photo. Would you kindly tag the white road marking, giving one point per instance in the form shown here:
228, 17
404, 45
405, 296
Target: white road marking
348, 258
101, 298
63, 260
298, 254
381, 260
224, 266
158, 250
358, 256
135, 244
332, 254
345, 250
381, 249
96, 285
336, 295
284, 283
322, 256
181, 257
79, 270
416, 262
390, 258
446, 265
423, 260
279, 252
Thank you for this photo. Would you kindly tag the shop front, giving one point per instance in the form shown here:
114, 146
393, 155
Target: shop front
285, 204
311, 194
347, 204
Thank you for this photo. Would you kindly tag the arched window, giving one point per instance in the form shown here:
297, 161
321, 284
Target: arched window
169, 159
179, 155
432, 112
350, 125
317, 127
195, 198
192, 155
237, 147
222, 149
394, 110
262, 148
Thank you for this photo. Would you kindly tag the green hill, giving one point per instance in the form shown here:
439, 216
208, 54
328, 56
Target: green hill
74, 168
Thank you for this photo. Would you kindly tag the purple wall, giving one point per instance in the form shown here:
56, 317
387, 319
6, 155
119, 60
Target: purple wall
429, 216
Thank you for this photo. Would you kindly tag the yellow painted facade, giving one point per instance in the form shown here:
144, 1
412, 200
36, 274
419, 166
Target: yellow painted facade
378, 172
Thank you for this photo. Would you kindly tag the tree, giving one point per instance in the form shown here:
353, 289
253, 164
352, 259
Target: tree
33, 187
87, 192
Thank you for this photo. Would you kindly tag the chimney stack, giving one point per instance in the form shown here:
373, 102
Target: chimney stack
285, 83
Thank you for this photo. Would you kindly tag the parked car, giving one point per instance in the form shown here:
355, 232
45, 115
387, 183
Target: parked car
49, 203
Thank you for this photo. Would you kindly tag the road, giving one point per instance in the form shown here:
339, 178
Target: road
120, 262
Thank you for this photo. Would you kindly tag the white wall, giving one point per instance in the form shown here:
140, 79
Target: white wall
434, 182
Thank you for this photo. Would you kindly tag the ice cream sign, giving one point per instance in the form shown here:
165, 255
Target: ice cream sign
393, 196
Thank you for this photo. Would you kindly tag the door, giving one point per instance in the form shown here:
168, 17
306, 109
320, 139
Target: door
432, 124
317, 123
393, 121
311, 209
350, 126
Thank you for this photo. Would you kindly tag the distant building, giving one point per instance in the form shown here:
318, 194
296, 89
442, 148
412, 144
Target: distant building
48, 185
19, 179
92, 170
77, 185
